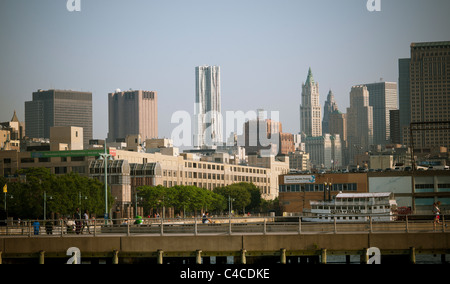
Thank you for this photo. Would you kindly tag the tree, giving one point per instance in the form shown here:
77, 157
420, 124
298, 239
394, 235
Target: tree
181, 197
237, 194
153, 196
62, 191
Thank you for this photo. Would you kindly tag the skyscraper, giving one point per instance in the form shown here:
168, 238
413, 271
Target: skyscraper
404, 96
329, 108
383, 98
310, 109
430, 91
263, 136
207, 116
132, 113
359, 122
58, 108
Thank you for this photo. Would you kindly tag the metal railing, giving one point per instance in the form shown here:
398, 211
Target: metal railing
220, 226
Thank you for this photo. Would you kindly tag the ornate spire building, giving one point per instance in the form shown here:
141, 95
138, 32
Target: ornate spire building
310, 109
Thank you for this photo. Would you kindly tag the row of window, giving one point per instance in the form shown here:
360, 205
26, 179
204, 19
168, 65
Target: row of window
442, 187
318, 187
221, 168
45, 160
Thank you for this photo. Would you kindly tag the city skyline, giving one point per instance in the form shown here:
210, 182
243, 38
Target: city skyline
264, 49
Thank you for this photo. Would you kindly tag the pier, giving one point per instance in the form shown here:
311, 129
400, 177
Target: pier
243, 243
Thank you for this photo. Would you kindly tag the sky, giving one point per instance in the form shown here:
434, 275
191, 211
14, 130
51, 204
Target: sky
263, 47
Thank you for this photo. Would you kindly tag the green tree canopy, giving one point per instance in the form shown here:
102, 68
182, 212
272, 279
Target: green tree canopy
64, 193
182, 198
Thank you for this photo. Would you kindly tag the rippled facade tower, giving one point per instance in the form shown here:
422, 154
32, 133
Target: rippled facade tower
207, 116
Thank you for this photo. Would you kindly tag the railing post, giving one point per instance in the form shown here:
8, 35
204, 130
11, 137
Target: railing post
443, 224
128, 227
370, 224
407, 224
335, 226
195, 226
299, 225
265, 226
162, 227
229, 227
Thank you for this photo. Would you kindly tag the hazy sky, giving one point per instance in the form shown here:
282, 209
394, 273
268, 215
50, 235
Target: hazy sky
264, 49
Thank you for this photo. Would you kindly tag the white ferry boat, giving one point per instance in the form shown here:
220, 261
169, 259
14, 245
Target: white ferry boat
354, 207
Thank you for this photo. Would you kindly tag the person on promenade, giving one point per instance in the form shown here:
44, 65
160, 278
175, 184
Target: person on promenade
205, 218
77, 217
85, 222
437, 214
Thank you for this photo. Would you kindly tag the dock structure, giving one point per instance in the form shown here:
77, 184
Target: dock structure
241, 247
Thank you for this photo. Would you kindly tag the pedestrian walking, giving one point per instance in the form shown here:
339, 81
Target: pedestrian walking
77, 217
85, 222
437, 214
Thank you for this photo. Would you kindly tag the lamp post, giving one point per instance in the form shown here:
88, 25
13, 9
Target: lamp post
136, 205
45, 204
230, 204
105, 157
327, 187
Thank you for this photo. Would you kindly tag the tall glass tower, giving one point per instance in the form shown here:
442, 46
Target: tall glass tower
207, 116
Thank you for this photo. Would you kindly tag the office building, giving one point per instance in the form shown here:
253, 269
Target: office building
404, 96
394, 118
58, 108
338, 124
310, 109
430, 91
262, 136
359, 122
207, 116
132, 113
383, 98
329, 108
325, 151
